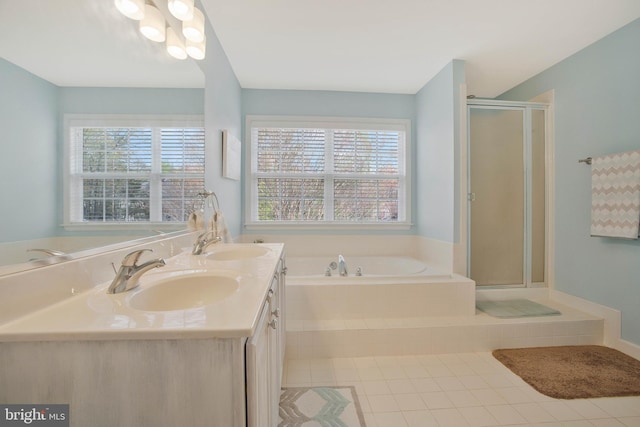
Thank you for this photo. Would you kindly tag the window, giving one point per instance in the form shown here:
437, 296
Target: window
133, 169
327, 171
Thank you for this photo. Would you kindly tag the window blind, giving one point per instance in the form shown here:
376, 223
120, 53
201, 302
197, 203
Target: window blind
135, 174
328, 174
182, 172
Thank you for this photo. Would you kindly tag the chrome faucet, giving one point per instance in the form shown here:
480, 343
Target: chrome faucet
205, 239
129, 274
342, 266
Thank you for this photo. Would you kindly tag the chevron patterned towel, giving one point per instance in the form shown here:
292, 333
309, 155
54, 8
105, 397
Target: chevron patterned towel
615, 195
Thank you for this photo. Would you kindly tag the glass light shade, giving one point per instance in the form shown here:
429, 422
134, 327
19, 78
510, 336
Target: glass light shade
197, 50
194, 29
152, 25
175, 46
133, 9
181, 9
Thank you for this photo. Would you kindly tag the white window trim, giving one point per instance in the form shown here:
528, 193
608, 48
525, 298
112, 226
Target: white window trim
256, 121
116, 120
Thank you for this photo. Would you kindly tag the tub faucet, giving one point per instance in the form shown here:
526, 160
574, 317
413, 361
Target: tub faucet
205, 239
129, 273
342, 266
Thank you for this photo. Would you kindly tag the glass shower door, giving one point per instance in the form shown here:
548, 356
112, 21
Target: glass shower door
497, 198
507, 224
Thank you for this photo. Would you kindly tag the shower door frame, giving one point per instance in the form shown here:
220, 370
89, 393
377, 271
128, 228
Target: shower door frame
526, 108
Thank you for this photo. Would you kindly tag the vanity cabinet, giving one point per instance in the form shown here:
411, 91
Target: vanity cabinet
157, 377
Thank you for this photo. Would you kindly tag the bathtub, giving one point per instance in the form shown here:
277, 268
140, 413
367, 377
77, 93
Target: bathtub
313, 268
389, 287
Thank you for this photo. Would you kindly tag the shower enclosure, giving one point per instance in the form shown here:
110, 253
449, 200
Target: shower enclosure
507, 193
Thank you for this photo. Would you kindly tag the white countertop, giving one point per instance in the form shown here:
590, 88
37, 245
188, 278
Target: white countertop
96, 315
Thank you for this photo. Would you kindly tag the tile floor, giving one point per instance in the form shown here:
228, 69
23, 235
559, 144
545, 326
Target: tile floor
454, 390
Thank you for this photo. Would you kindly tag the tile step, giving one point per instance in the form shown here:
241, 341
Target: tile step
437, 335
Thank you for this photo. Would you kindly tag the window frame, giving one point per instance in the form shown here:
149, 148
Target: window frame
351, 123
123, 121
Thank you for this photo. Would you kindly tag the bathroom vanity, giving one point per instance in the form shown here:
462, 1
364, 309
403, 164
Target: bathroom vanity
199, 343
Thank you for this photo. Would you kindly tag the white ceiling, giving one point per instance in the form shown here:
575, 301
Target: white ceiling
399, 45
392, 46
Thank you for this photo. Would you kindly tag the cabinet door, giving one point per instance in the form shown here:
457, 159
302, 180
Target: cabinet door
281, 304
274, 347
275, 370
277, 323
259, 384
265, 359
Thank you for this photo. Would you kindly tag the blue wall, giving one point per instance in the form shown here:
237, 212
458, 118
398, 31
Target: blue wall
29, 125
597, 111
92, 100
222, 110
333, 104
31, 119
327, 103
437, 153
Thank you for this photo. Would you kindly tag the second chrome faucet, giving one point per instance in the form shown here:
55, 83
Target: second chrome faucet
205, 239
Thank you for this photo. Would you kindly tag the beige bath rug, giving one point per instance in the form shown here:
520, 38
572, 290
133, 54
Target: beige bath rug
575, 372
320, 406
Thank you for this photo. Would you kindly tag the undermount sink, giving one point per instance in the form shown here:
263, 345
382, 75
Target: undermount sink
183, 291
241, 252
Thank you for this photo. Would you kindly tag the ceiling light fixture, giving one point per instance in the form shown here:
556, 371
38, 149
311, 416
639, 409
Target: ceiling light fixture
193, 29
175, 46
181, 9
152, 26
133, 9
196, 50
153, 23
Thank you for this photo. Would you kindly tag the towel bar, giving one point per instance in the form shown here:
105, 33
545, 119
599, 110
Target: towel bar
587, 160
209, 195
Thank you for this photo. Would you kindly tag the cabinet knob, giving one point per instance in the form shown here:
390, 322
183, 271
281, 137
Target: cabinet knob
276, 312
274, 323
284, 270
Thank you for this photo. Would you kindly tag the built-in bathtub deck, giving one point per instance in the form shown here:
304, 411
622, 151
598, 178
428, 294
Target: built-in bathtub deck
393, 336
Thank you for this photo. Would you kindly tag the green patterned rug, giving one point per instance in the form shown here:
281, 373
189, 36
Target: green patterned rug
320, 406
515, 308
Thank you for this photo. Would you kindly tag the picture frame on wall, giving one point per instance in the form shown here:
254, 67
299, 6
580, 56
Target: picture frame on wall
231, 156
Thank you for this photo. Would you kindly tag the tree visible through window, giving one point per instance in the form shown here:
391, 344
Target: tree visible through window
321, 174
135, 174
